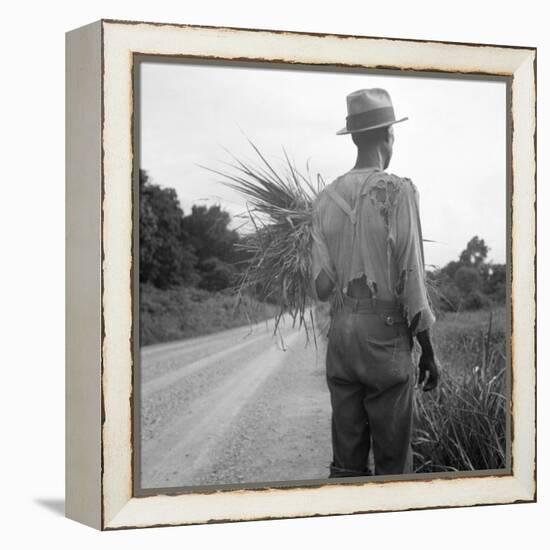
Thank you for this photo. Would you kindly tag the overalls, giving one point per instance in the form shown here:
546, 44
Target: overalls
370, 377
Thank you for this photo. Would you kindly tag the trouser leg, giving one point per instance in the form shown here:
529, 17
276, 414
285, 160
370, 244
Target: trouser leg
369, 374
391, 416
350, 427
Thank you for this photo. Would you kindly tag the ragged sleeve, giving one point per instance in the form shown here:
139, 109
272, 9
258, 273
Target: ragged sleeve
411, 288
320, 258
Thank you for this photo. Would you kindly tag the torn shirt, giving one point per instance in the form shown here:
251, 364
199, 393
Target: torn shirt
367, 223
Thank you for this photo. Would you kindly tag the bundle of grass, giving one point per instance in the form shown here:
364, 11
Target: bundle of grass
280, 210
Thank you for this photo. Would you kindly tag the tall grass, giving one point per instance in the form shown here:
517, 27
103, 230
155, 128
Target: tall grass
461, 425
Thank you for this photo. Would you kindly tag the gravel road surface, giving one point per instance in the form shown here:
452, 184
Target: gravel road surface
234, 407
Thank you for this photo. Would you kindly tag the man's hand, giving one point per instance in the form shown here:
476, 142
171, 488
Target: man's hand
428, 372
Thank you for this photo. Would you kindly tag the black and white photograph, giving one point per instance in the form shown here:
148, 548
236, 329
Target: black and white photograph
321, 273
274, 275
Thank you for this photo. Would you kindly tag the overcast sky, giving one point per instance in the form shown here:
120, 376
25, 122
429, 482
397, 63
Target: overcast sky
452, 146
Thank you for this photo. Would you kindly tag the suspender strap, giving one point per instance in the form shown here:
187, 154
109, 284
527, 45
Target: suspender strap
342, 204
338, 297
337, 198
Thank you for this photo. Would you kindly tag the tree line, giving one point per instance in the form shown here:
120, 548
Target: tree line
469, 283
198, 249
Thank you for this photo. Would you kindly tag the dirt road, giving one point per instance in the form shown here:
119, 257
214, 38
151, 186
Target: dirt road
234, 407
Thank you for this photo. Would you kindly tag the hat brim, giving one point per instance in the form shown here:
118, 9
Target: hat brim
382, 125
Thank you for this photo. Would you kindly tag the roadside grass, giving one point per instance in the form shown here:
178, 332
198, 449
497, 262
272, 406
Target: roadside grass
461, 425
185, 312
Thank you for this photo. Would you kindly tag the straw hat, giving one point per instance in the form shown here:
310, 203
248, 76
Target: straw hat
367, 110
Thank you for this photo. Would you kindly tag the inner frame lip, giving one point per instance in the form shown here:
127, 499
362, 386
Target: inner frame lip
251, 63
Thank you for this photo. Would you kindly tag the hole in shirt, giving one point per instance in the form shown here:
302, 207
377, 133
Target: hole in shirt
361, 287
400, 285
383, 195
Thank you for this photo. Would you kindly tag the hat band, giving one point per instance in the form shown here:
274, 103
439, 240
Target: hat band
370, 118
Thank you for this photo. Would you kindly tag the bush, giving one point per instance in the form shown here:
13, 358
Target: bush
444, 295
217, 275
183, 312
469, 283
467, 279
475, 300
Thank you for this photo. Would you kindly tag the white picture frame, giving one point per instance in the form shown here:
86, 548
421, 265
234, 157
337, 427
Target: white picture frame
100, 318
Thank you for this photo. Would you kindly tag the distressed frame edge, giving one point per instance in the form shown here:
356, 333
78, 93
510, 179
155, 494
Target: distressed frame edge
314, 34
83, 323
525, 489
524, 270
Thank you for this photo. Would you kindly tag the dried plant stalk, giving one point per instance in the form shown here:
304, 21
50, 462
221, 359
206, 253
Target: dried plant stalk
279, 202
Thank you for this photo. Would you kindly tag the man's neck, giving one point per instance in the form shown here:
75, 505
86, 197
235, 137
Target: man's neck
369, 158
